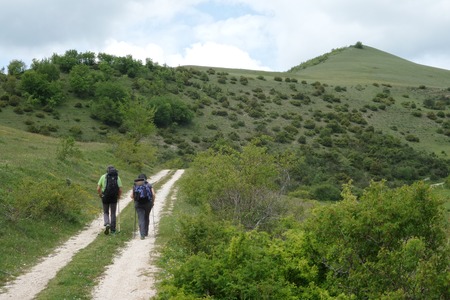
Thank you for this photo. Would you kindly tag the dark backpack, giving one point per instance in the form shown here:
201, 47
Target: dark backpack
111, 192
143, 193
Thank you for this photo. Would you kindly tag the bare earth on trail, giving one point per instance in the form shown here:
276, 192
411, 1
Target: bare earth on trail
128, 278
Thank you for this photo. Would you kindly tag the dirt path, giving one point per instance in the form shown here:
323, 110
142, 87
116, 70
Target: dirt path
28, 285
130, 275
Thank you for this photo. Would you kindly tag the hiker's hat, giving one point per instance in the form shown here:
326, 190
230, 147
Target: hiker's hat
139, 181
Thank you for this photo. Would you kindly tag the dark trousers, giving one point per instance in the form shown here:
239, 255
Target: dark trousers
109, 214
143, 213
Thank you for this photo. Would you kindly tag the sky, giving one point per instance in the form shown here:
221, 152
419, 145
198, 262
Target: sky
271, 35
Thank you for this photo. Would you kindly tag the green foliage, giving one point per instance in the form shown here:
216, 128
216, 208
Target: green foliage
67, 149
326, 192
317, 60
359, 45
107, 110
138, 120
67, 61
384, 243
47, 199
222, 262
47, 68
133, 153
40, 90
82, 81
16, 67
170, 110
242, 187
111, 90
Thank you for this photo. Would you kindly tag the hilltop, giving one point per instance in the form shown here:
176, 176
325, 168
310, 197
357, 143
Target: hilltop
352, 65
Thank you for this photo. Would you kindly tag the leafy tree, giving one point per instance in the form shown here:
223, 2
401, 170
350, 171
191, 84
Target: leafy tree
87, 58
67, 61
359, 45
127, 66
10, 85
46, 67
40, 90
135, 154
138, 120
111, 90
107, 70
170, 110
82, 81
107, 111
16, 67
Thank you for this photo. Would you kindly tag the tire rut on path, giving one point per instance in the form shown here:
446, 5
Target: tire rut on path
28, 285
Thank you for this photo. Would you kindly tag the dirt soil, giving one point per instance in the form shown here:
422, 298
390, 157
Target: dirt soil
129, 277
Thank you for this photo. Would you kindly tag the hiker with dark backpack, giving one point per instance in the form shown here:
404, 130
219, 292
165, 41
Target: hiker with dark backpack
109, 188
144, 199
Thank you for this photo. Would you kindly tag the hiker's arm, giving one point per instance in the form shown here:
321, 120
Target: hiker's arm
99, 190
153, 194
120, 193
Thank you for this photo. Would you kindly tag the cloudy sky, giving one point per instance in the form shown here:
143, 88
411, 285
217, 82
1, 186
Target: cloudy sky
249, 34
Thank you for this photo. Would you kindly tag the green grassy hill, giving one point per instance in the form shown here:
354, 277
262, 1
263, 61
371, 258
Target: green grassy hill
361, 66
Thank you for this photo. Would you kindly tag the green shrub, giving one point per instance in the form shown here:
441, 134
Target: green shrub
326, 192
76, 130
243, 80
14, 100
359, 45
412, 138
385, 241
67, 149
49, 199
18, 110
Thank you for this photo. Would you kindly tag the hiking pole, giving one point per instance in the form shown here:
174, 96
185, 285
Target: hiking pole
134, 227
153, 216
118, 216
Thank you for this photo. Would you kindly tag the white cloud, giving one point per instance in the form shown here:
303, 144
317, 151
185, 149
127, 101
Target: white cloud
122, 48
217, 55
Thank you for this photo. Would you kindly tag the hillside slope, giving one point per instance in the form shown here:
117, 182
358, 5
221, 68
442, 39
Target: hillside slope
353, 65
320, 104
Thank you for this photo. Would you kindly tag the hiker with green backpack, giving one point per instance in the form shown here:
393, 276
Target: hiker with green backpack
109, 189
144, 199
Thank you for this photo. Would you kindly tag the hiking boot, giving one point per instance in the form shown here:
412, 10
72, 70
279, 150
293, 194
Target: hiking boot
107, 226
113, 232
142, 237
